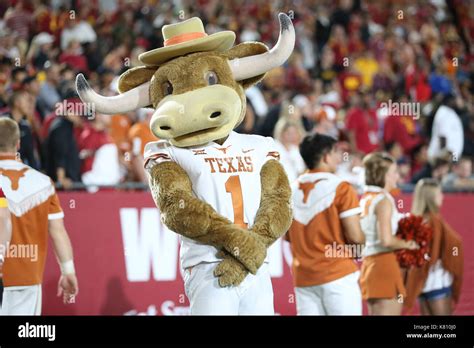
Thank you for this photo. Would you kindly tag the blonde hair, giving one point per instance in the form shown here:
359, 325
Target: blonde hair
9, 134
424, 197
376, 165
283, 124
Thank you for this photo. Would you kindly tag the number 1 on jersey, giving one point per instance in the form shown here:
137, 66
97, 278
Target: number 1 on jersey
232, 186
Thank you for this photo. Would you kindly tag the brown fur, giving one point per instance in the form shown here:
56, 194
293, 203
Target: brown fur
230, 271
138, 75
189, 216
194, 66
244, 50
135, 77
274, 214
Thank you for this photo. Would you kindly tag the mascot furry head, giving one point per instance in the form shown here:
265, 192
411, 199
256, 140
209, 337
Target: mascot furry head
225, 193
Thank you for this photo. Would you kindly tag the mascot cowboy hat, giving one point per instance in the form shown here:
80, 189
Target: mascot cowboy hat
187, 37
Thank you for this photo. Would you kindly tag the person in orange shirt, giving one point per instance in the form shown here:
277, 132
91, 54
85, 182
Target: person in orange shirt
5, 233
119, 128
5, 227
325, 235
35, 212
140, 135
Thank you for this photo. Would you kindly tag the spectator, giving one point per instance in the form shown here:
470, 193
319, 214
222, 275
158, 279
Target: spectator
384, 79
351, 170
404, 167
461, 176
338, 44
367, 66
49, 95
438, 169
418, 158
401, 129
80, 31
8, 47
100, 163
20, 111
3, 90
293, 110
73, 56
18, 20
288, 135
327, 73
395, 150
31, 86
325, 117
362, 125
18, 75
41, 50
447, 131
63, 163
139, 135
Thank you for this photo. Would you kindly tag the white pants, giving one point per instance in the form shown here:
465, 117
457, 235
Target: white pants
254, 296
21, 300
339, 297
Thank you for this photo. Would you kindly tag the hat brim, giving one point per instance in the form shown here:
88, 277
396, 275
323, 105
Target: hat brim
220, 41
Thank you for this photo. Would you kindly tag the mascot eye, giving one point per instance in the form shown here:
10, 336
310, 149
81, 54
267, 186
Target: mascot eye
167, 88
211, 78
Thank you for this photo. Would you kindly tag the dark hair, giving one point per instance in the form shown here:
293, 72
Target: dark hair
417, 149
28, 80
389, 146
463, 158
439, 162
314, 147
15, 96
18, 70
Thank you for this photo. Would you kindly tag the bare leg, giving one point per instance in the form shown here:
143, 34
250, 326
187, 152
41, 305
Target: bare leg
424, 307
441, 306
385, 306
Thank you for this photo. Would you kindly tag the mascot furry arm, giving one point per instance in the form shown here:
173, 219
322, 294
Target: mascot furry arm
208, 84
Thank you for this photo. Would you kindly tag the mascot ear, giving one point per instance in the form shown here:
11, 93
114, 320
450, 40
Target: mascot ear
135, 77
247, 49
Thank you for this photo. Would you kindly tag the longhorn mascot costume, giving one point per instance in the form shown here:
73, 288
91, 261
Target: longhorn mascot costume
225, 193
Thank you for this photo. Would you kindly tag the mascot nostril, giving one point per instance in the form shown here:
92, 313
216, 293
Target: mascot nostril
226, 194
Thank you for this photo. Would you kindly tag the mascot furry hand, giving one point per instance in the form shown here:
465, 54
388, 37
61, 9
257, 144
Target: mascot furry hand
224, 192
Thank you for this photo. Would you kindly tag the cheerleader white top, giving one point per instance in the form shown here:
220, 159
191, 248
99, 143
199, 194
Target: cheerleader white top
372, 196
438, 278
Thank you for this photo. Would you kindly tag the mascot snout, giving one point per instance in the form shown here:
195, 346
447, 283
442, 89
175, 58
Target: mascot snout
197, 116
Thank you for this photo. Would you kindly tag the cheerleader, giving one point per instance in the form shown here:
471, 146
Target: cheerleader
437, 284
381, 279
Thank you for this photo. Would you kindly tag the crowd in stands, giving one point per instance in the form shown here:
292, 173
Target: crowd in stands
377, 75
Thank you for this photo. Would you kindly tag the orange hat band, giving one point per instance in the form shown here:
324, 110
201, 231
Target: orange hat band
183, 38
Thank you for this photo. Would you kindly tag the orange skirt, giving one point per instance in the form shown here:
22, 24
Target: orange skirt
381, 277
